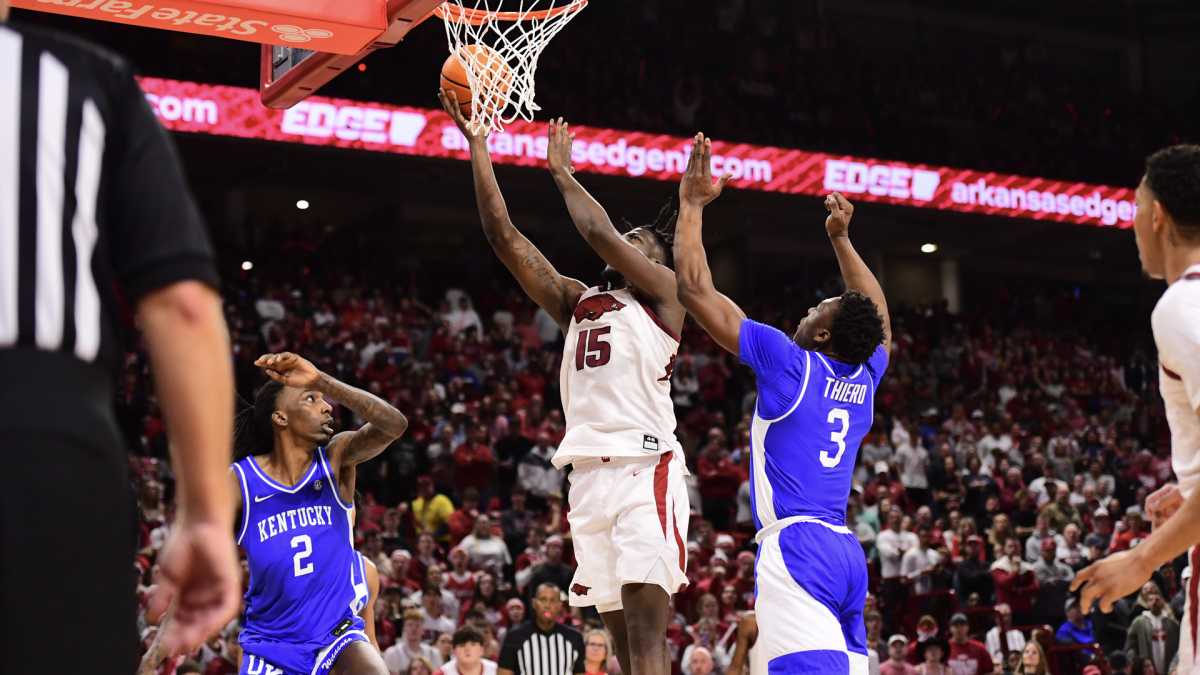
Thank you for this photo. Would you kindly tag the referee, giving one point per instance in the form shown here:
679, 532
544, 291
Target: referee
94, 208
542, 646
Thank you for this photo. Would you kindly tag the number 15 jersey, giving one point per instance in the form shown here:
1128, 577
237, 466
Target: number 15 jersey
298, 542
615, 380
812, 414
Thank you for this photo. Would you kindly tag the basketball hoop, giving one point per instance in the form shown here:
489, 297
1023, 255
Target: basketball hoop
503, 89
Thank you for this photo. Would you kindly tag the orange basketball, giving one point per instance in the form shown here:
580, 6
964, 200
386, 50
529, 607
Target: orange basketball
493, 81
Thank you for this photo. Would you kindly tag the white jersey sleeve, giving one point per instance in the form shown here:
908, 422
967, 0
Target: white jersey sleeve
1176, 323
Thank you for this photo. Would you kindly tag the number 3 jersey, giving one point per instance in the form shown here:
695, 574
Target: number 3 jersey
305, 576
812, 414
615, 380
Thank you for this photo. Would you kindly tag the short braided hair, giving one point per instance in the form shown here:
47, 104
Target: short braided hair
1173, 175
857, 328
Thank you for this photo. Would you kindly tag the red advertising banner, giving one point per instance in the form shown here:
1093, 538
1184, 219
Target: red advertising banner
233, 111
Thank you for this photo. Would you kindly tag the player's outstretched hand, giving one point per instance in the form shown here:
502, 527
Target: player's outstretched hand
289, 369
472, 131
1108, 580
837, 224
198, 570
1163, 503
558, 151
697, 187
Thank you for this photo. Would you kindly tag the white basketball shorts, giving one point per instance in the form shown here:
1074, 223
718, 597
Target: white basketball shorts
629, 520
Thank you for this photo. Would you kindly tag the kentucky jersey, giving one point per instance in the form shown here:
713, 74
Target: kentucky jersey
615, 380
812, 415
306, 580
810, 573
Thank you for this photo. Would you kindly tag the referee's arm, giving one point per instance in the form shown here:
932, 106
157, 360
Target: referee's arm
507, 665
164, 262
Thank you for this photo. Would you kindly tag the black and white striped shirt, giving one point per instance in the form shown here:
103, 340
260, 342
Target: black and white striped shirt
530, 651
93, 208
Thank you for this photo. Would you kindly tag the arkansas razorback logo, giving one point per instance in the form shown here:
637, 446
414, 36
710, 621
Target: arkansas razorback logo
580, 589
596, 306
670, 370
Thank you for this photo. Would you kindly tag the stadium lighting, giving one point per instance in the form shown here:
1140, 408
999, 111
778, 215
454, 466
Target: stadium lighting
929, 248
302, 204
247, 265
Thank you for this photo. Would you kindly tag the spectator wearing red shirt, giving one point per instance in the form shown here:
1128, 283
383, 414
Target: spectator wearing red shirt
1014, 581
1129, 532
427, 555
460, 581
474, 462
714, 378
720, 478
967, 656
401, 573
731, 605
743, 580
462, 521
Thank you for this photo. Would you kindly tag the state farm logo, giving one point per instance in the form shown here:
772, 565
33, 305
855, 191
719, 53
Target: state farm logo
289, 33
185, 17
881, 180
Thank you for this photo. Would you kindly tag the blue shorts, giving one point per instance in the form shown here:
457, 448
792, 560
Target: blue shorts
811, 585
264, 656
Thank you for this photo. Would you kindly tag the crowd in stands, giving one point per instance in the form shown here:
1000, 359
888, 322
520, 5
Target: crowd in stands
1008, 451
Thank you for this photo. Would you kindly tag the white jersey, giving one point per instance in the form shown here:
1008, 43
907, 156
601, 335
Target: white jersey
1176, 323
616, 380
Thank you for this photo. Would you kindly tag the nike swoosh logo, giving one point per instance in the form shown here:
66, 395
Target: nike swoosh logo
263, 499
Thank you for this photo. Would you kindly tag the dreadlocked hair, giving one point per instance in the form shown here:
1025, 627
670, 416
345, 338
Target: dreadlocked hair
857, 328
662, 227
253, 433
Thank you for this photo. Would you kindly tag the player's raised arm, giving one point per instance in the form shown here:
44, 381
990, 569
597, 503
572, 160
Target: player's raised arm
597, 228
715, 312
543, 284
384, 422
855, 273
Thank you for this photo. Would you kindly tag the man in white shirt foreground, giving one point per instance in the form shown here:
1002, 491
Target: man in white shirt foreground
1167, 229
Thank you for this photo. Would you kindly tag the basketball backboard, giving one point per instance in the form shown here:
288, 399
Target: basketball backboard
291, 73
305, 43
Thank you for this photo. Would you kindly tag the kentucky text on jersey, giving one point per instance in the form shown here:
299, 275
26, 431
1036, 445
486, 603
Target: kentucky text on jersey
292, 519
845, 392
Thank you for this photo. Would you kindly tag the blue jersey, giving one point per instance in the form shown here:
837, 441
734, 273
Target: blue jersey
306, 579
812, 414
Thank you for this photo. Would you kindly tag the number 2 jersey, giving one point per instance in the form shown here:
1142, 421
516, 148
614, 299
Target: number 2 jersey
615, 380
812, 414
306, 579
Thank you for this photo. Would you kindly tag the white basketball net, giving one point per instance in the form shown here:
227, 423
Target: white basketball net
518, 37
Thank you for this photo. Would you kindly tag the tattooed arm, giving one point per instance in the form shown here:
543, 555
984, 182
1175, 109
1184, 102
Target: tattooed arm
543, 284
384, 423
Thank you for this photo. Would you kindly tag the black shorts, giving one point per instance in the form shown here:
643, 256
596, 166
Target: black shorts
67, 584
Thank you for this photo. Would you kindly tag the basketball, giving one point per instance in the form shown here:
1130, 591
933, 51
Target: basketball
494, 77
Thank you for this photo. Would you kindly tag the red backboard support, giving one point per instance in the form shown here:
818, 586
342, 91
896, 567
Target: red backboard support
314, 69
